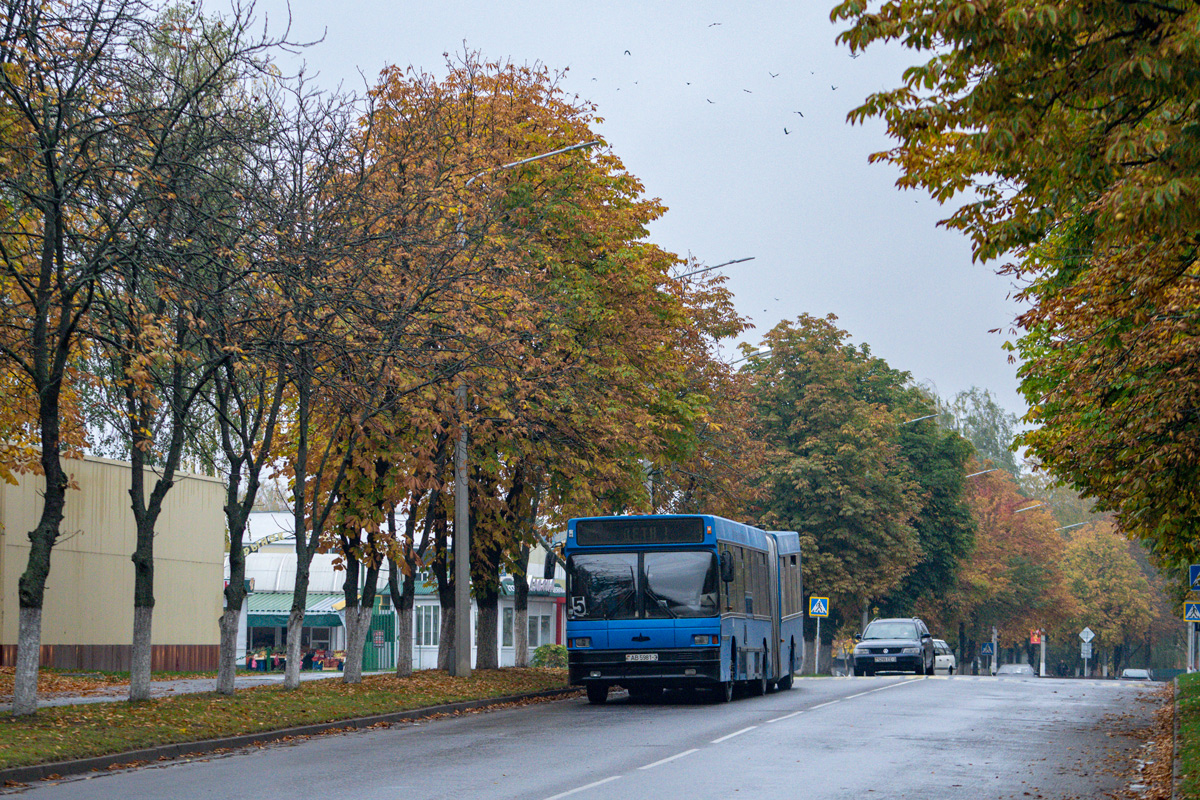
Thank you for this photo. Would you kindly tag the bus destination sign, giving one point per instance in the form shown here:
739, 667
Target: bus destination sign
661, 530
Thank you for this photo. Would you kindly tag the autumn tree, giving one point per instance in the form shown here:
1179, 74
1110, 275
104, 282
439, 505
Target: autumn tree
1013, 579
1112, 595
1066, 128
89, 144
835, 473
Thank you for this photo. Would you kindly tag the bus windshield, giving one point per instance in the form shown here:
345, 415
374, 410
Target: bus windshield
654, 585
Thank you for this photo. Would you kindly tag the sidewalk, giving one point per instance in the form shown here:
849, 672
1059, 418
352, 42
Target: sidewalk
171, 688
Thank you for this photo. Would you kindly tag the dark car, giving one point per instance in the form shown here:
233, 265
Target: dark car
894, 645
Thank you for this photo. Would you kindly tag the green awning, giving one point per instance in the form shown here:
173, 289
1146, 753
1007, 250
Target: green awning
271, 609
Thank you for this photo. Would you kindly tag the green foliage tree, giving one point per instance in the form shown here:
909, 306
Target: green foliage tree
835, 472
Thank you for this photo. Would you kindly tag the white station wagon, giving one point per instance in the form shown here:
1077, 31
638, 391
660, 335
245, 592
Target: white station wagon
943, 657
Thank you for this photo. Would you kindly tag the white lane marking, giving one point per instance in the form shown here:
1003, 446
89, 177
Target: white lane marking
786, 716
583, 788
831, 702
671, 758
731, 735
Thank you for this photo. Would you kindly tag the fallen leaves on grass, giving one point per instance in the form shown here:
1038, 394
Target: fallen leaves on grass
66, 732
53, 683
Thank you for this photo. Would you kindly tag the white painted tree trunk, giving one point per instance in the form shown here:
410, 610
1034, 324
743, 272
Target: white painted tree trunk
404, 642
227, 666
291, 670
29, 650
521, 637
358, 622
139, 657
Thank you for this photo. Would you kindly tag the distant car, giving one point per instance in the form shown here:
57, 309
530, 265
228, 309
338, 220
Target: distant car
943, 657
894, 645
1135, 675
1015, 671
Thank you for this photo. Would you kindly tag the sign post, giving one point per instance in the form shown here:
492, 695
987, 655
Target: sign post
988, 649
1191, 615
818, 607
1086, 651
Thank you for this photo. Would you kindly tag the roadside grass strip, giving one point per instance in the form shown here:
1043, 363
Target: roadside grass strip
1189, 735
64, 733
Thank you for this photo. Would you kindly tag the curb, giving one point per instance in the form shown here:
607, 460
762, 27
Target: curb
61, 769
1175, 745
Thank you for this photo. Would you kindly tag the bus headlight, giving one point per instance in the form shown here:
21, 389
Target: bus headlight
581, 641
706, 638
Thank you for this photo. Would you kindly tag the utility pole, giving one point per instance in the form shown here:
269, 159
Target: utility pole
460, 663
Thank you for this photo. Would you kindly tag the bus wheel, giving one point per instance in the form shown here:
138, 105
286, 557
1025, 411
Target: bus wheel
597, 693
724, 692
785, 682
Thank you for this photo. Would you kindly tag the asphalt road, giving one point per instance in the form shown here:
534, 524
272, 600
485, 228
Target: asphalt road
884, 737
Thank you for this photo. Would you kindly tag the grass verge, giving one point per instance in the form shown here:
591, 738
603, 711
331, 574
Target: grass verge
67, 732
1189, 736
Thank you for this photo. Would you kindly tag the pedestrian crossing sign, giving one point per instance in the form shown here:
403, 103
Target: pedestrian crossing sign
818, 606
1191, 612
1194, 575
987, 649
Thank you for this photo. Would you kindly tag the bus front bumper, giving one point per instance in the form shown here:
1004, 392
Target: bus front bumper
688, 666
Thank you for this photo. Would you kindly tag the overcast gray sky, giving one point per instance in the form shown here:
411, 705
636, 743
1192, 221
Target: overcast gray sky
697, 110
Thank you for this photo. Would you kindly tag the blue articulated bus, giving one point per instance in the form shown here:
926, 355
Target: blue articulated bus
681, 600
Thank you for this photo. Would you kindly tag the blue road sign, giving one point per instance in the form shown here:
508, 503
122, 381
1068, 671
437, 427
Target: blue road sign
1191, 612
1194, 576
818, 606
987, 649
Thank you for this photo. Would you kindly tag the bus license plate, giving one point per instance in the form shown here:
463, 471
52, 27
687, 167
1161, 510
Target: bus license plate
887, 659
641, 656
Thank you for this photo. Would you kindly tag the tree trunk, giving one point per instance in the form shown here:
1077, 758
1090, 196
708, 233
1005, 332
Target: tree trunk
402, 598
31, 590
521, 609
359, 610
227, 659
29, 638
291, 670
486, 640
446, 642
139, 658
404, 619
358, 622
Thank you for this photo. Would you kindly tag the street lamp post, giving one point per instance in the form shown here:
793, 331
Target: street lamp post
460, 662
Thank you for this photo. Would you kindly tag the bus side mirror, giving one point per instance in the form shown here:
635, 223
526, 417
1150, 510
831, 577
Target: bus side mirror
727, 569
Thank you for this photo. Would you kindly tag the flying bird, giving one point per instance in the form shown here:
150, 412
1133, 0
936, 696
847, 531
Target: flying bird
715, 24
710, 101
773, 74
801, 113
747, 91
786, 132
834, 88
855, 55
628, 53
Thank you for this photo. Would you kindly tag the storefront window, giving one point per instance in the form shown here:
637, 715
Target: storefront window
506, 634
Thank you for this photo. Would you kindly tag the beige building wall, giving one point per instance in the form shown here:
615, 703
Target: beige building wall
89, 594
